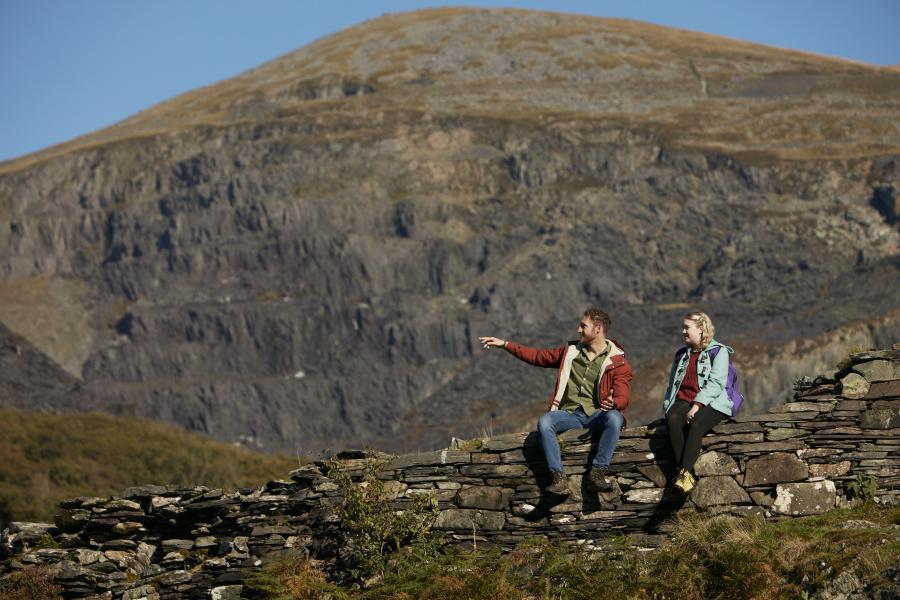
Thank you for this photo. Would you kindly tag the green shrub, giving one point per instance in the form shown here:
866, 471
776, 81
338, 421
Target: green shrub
374, 528
864, 488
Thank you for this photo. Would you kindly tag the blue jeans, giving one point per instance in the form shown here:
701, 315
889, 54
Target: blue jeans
609, 423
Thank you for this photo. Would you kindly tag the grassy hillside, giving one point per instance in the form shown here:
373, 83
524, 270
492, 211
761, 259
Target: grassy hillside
48, 457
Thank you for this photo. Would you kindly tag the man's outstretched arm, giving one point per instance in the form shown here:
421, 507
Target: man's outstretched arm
539, 357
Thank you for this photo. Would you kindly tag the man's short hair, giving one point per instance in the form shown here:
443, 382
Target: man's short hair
599, 317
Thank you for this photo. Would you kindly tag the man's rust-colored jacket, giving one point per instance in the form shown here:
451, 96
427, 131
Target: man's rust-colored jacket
615, 374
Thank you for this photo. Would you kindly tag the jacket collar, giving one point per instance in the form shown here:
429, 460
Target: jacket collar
615, 349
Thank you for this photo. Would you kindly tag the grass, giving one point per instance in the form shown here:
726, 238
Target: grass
48, 458
707, 557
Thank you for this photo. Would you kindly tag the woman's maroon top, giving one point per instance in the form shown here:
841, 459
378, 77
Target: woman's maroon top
690, 385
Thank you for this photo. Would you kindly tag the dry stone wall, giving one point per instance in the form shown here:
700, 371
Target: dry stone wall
804, 457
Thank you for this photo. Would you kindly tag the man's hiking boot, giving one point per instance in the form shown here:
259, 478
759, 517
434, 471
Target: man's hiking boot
684, 483
559, 486
599, 480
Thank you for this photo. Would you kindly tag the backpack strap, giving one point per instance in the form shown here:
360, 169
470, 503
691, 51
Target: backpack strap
713, 352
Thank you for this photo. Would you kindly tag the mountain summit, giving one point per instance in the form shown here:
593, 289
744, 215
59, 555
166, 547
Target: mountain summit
301, 257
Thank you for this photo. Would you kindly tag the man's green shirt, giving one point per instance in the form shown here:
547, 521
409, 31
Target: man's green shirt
582, 380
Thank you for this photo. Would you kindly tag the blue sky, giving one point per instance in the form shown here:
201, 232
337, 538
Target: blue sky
70, 67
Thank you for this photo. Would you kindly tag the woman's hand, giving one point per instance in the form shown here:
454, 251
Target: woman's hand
488, 342
692, 412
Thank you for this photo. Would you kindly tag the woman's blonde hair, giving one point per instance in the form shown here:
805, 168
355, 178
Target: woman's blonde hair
707, 330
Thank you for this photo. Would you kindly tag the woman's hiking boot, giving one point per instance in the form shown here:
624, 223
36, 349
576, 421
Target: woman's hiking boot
559, 486
599, 480
684, 483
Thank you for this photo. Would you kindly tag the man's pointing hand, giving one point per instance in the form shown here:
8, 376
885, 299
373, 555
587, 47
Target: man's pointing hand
487, 342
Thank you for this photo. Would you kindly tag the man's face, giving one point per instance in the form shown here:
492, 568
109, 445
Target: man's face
589, 331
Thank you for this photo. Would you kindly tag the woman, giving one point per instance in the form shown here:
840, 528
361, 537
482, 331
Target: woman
696, 399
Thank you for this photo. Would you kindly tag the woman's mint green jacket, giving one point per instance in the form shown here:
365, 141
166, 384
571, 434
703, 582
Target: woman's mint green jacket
711, 377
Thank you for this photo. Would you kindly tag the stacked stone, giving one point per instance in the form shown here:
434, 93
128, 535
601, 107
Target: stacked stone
801, 458
166, 542
860, 436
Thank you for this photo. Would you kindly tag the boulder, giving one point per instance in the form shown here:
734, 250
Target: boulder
854, 386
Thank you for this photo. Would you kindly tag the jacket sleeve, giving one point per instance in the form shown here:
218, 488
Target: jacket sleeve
539, 357
718, 378
675, 362
621, 385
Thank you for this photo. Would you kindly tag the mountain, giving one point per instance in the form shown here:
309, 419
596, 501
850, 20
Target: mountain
300, 258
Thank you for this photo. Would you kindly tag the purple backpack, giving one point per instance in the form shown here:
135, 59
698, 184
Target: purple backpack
731, 384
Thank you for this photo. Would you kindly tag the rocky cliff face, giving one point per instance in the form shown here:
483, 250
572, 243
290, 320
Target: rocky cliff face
299, 258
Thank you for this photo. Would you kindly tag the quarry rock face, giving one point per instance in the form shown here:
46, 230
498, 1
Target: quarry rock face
300, 258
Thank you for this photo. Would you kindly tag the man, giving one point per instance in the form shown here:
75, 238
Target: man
593, 385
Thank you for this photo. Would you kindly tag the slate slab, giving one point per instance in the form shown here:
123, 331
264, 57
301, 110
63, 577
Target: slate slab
715, 463
778, 467
878, 370
830, 470
467, 519
717, 490
881, 418
811, 498
885, 389
486, 497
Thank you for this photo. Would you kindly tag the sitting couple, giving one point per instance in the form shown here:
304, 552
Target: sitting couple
593, 385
